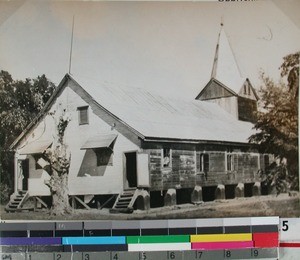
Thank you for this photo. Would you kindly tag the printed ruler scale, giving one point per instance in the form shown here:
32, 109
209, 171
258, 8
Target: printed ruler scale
229, 238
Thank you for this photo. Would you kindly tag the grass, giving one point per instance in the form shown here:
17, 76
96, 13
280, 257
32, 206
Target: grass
271, 205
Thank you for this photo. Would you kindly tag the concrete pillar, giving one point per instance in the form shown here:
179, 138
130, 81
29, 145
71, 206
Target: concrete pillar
196, 196
256, 189
220, 192
170, 198
143, 200
239, 190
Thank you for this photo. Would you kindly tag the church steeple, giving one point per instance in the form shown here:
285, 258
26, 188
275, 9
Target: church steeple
225, 68
214, 68
227, 87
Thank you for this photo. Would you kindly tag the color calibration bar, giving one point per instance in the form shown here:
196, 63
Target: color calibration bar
153, 255
209, 238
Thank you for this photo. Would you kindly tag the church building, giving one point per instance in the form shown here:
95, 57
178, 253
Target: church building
132, 148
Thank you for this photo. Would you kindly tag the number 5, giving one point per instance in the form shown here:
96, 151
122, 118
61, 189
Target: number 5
285, 226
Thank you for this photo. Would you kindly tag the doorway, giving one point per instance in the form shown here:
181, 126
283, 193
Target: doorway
131, 169
25, 173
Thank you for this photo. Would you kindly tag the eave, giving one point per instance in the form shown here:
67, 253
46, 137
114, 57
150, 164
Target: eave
149, 139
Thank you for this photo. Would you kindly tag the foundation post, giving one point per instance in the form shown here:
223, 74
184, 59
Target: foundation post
220, 192
170, 198
239, 190
196, 196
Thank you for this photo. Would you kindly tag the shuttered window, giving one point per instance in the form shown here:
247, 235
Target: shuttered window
229, 162
203, 162
83, 117
245, 89
104, 157
167, 160
249, 90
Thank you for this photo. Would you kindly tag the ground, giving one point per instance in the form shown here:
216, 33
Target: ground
283, 206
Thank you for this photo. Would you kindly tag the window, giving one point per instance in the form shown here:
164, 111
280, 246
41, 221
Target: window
245, 89
267, 161
229, 162
104, 157
83, 117
166, 157
204, 162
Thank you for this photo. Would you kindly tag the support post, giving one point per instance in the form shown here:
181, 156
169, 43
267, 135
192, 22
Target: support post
256, 189
196, 196
35, 204
143, 200
81, 202
16, 172
170, 198
73, 202
239, 190
220, 192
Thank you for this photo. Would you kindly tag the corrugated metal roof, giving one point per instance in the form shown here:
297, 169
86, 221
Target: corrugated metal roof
99, 141
153, 115
36, 147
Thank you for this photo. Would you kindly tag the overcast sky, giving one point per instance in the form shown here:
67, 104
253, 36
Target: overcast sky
161, 45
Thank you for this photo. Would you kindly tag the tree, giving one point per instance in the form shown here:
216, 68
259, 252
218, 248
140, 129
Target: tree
277, 122
20, 102
59, 158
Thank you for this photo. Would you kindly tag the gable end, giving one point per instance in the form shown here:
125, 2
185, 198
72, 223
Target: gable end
41, 115
215, 89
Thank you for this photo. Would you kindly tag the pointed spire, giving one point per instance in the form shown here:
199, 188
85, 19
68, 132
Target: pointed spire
214, 68
225, 68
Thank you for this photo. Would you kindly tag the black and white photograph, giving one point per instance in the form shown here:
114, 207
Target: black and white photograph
149, 110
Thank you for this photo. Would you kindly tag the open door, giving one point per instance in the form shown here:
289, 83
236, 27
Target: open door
25, 173
131, 169
143, 178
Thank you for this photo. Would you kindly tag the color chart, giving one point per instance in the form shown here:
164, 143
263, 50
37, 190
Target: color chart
228, 238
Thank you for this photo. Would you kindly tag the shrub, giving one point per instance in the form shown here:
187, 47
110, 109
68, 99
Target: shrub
5, 192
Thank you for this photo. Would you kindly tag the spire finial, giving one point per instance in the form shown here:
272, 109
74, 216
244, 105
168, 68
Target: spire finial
222, 23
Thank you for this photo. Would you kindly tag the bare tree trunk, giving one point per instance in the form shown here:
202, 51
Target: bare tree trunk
59, 159
60, 198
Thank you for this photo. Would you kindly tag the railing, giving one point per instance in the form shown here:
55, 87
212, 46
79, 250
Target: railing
24, 198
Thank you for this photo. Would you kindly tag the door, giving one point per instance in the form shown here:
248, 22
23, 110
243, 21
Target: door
131, 169
25, 173
143, 178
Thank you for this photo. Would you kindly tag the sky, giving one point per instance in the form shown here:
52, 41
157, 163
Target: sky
163, 46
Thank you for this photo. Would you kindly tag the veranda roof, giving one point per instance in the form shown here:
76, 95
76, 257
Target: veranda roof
35, 147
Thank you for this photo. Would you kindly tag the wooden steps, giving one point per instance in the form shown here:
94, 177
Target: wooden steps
16, 202
125, 201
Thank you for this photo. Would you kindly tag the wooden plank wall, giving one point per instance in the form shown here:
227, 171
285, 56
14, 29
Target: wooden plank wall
214, 90
155, 169
247, 109
184, 170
